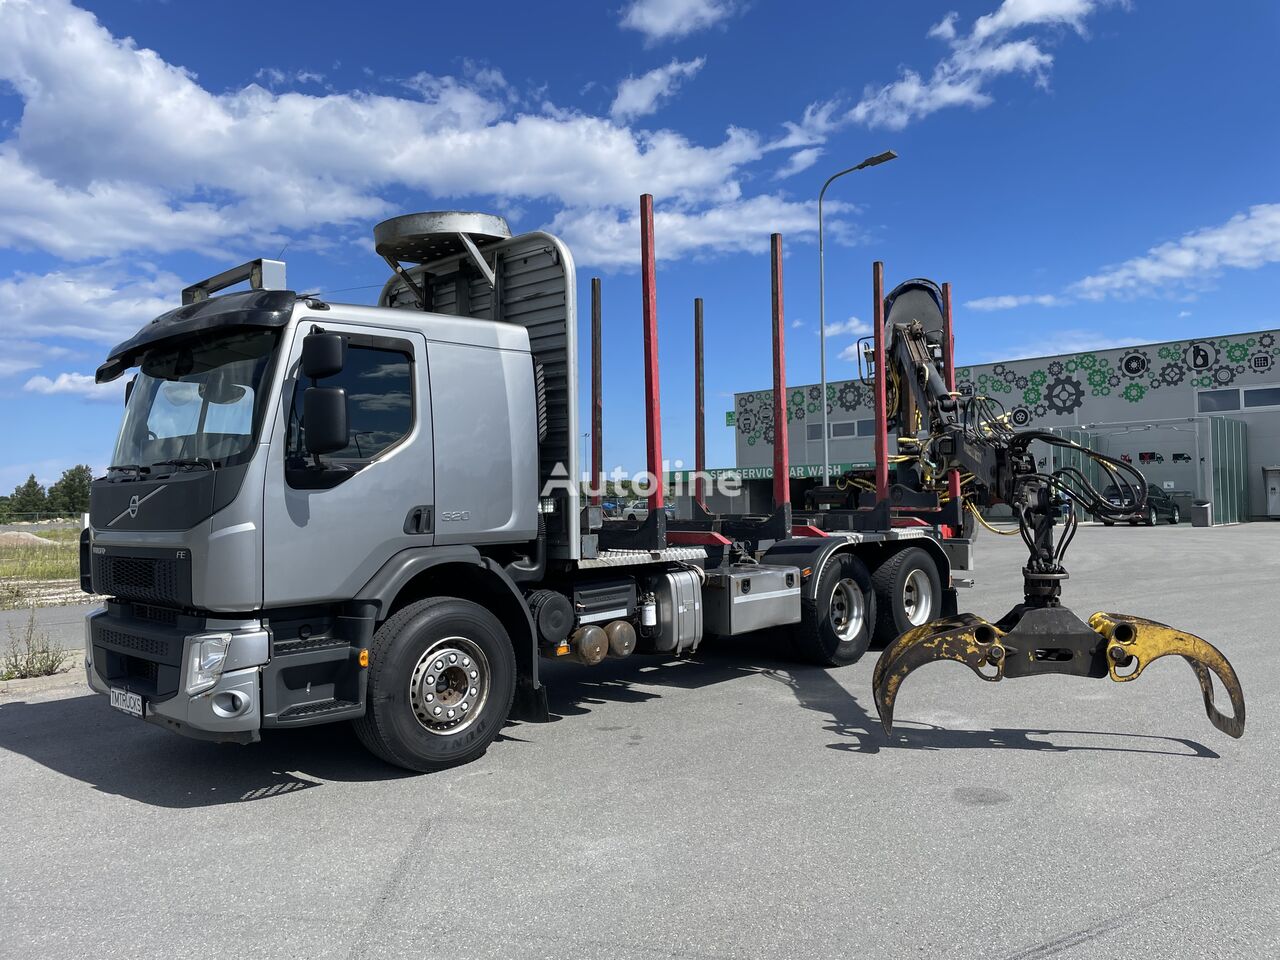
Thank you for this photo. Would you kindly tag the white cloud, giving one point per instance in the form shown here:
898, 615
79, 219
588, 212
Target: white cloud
672, 19
853, 327
104, 304
610, 239
78, 385
641, 96
1183, 314
798, 162
1247, 241
1058, 342
118, 150
962, 77
1009, 302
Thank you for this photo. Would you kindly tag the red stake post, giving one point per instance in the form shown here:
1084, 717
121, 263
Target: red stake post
781, 460
649, 307
597, 399
949, 359
881, 397
699, 410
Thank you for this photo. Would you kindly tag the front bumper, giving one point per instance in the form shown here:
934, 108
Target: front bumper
231, 710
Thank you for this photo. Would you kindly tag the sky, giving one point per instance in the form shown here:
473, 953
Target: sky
1086, 173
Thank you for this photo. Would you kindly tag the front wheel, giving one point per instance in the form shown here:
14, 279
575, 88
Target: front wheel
1151, 517
1175, 518
836, 625
441, 680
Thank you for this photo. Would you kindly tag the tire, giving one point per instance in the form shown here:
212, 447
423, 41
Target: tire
1150, 521
1175, 517
908, 593
399, 694
836, 625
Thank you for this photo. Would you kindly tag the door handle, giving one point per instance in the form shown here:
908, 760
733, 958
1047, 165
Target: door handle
419, 520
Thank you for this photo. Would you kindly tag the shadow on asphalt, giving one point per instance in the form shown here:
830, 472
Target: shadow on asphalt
81, 737
573, 690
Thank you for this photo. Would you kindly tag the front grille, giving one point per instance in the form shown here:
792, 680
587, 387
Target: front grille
148, 671
154, 646
161, 615
138, 578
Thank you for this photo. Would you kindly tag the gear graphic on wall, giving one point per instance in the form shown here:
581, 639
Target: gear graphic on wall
797, 398
1038, 378
751, 440
1021, 383
1086, 361
765, 413
1135, 363
815, 393
1097, 377
812, 406
1201, 355
1171, 351
849, 397
1133, 392
1261, 362
1020, 416
745, 402
1055, 368
1224, 375
1113, 379
1009, 376
746, 422
1040, 410
768, 434
1064, 395
1172, 374
998, 370
1237, 352
1267, 340
1031, 395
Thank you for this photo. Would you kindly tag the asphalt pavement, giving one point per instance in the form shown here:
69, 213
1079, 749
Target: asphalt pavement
731, 806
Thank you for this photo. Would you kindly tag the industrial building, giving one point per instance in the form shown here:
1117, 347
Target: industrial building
1201, 418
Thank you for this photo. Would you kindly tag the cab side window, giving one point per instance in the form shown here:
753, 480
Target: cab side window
379, 385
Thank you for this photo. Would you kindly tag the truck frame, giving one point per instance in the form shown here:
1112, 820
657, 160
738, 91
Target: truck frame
322, 512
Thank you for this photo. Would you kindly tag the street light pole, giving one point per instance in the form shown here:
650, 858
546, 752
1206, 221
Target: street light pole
822, 306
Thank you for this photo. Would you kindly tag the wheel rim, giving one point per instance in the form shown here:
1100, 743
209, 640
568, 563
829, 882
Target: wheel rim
1177, 515
917, 597
449, 686
846, 610
1151, 517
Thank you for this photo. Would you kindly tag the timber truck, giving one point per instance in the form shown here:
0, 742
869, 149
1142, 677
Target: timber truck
320, 512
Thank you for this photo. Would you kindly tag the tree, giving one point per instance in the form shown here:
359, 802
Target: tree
69, 497
28, 498
4, 509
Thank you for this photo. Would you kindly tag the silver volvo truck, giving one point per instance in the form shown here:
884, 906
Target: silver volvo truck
321, 512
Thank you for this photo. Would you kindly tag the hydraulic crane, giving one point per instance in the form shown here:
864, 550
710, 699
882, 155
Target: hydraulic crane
957, 453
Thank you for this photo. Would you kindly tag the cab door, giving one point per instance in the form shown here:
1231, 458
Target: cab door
328, 530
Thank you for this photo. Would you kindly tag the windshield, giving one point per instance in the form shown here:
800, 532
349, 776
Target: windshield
199, 399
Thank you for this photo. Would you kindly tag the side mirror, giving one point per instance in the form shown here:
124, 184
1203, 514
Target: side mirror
128, 388
324, 419
323, 355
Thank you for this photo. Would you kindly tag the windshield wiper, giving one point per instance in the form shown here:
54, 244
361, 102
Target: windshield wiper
137, 468
185, 462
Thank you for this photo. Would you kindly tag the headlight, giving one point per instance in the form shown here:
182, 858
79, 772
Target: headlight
204, 664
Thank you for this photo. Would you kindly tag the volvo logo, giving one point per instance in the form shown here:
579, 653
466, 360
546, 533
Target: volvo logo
135, 502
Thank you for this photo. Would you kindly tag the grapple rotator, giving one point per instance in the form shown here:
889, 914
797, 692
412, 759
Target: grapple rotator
962, 451
1040, 636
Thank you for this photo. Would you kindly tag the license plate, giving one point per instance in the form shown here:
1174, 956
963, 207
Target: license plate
127, 701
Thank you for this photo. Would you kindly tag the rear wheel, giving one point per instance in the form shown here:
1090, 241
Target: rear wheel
836, 625
1176, 517
1150, 521
441, 680
908, 593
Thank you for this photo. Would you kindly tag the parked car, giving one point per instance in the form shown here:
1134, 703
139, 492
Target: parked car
639, 510
1159, 506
